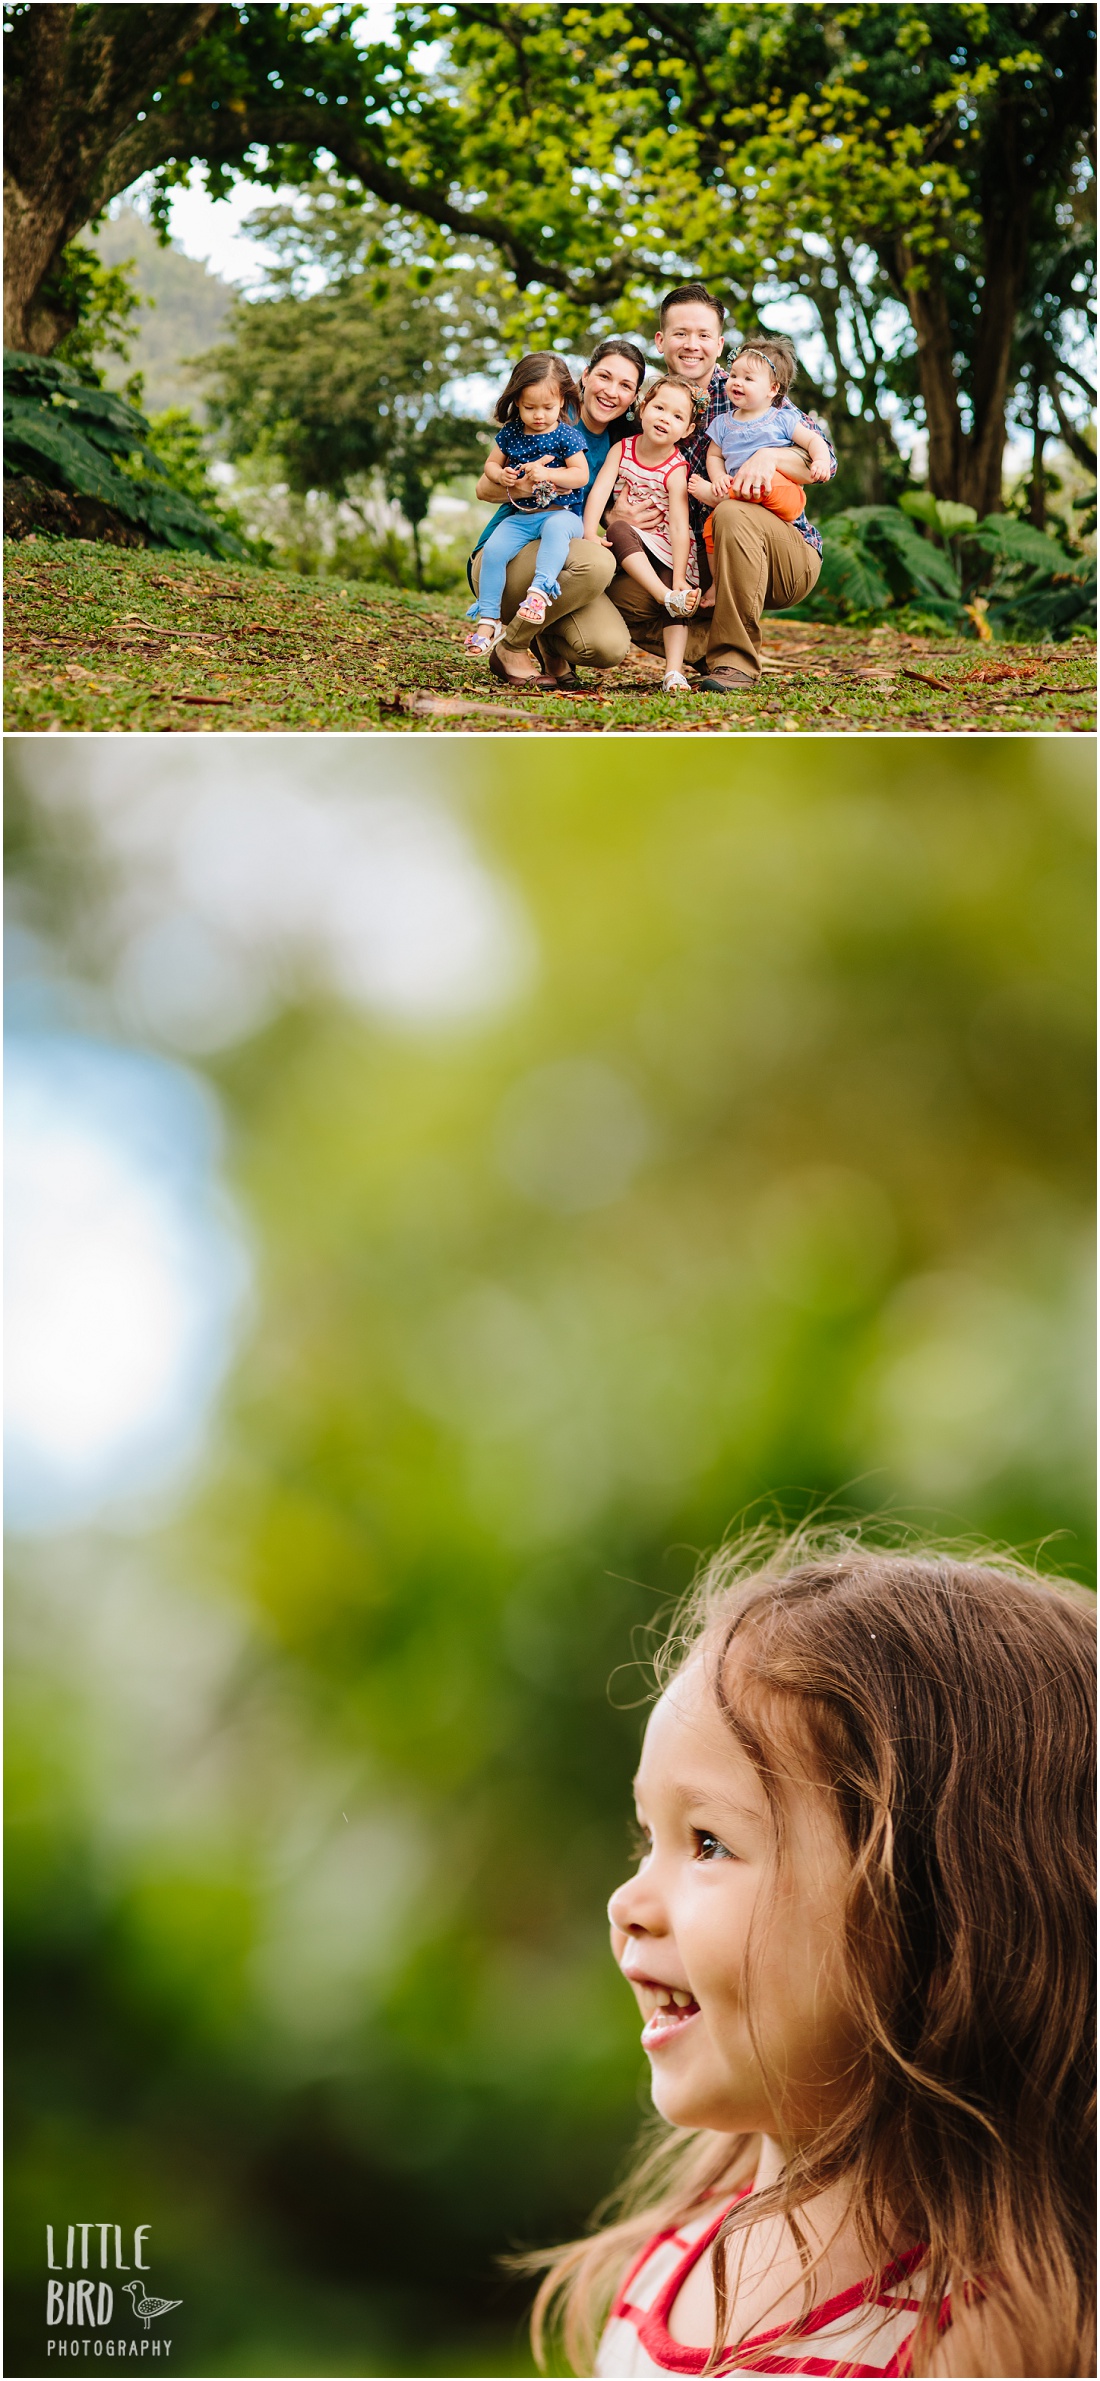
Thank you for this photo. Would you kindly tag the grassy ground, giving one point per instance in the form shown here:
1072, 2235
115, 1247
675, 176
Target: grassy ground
103, 639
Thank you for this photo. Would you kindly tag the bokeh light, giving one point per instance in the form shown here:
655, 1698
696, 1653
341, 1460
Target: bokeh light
125, 1274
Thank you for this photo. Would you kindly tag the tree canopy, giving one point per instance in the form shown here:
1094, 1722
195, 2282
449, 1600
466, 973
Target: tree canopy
902, 171
352, 379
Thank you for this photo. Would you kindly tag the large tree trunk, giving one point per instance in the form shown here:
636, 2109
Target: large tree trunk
77, 82
965, 466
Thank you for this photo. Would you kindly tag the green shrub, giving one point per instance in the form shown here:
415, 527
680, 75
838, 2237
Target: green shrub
89, 442
959, 571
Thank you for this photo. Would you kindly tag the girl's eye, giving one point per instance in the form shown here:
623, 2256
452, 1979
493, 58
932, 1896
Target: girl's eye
710, 1847
640, 1843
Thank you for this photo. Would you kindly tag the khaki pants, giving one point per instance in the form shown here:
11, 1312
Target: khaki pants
583, 625
760, 564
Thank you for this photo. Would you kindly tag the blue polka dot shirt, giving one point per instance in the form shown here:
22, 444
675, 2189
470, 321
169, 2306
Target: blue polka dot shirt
518, 445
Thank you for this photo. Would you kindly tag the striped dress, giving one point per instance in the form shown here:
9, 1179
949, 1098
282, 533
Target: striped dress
650, 482
862, 2331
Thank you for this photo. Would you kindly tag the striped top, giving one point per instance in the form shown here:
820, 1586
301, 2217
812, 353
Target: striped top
862, 2331
650, 481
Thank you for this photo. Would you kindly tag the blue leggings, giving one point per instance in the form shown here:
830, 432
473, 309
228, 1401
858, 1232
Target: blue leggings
554, 530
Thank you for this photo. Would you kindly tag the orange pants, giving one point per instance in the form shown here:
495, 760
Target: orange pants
786, 497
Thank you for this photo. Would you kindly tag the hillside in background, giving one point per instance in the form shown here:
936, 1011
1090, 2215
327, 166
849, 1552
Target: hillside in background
187, 314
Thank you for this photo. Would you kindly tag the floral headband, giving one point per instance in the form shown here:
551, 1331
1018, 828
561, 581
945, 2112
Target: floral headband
764, 359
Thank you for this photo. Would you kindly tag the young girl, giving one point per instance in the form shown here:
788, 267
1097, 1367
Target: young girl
661, 556
757, 384
538, 461
860, 1939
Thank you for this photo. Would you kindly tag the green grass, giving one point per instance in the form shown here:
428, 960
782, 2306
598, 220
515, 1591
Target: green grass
104, 639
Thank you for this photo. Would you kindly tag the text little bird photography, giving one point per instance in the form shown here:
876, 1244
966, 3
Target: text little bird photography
82, 2308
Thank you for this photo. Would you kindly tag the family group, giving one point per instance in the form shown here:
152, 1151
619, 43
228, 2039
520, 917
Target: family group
668, 512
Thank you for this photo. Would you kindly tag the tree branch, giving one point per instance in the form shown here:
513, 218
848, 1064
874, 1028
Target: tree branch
310, 126
1071, 437
1070, 372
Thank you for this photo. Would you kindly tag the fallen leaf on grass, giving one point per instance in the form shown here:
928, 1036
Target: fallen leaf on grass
988, 671
1023, 694
1005, 694
230, 699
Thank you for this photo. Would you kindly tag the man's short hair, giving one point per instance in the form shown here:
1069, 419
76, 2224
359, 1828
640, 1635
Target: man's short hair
778, 353
693, 293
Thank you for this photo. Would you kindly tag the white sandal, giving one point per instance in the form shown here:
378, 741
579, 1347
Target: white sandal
674, 682
681, 602
482, 639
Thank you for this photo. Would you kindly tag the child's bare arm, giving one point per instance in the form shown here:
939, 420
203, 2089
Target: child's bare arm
572, 474
808, 443
600, 490
497, 477
679, 527
716, 471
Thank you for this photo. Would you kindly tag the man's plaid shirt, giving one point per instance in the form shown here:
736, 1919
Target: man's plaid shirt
694, 452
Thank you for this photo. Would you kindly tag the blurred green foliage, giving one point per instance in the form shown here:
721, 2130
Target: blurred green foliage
774, 1185
1020, 581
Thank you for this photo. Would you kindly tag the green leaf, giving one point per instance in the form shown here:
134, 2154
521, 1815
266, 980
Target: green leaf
920, 504
79, 446
1008, 540
936, 513
952, 519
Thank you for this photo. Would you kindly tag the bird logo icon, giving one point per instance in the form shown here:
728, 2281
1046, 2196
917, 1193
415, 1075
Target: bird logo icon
147, 2308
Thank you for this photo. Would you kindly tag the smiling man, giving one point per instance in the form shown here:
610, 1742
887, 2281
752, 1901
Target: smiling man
760, 562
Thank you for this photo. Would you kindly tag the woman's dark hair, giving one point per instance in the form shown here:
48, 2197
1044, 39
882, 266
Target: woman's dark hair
528, 372
621, 347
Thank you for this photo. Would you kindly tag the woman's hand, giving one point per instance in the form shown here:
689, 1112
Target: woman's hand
640, 511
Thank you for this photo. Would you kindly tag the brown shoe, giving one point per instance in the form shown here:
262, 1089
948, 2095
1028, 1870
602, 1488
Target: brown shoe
720, 681
529, 685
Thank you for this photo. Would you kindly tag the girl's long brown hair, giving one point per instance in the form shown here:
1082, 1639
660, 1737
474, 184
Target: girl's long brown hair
530, 370
948, 1707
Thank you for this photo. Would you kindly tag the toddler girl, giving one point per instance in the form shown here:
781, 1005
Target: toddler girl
537, 460
661, 556
756, 384
860, 1939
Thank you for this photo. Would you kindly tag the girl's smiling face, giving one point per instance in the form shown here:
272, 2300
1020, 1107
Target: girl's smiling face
667, 416
539, 406
750, 384
680, 1931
